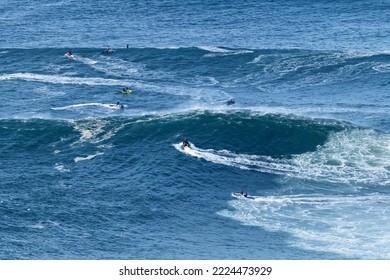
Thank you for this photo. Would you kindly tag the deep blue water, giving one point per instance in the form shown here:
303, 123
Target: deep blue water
308, 135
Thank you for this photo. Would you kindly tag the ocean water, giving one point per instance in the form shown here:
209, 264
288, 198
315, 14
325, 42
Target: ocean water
308, 136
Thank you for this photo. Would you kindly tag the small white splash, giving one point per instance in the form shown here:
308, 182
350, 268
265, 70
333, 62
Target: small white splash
222, 51
382, 68
89, 157
95, 130
60, 167
37, 226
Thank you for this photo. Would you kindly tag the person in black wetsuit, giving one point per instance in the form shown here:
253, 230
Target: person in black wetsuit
231, 102
120, 105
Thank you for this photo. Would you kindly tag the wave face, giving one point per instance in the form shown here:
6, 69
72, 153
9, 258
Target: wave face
78, 176
346, 86
86, 170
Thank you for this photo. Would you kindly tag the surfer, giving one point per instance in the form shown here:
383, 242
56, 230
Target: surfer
245, 194
120, 105
186, 143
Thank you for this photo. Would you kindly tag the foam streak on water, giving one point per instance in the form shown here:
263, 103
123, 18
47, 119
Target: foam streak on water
345, 225
357, 156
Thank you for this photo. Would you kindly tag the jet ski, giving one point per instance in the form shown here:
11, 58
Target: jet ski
231, 102
126, 91
69, 54
186, 146
108, 51
242, 195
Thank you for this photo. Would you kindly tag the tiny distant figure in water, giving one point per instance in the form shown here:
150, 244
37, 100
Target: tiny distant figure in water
69, 53
127, 46
231, 102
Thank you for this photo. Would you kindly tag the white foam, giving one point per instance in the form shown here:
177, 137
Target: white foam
217, 51
61, 168
359, 156
95, 131
90, 129
257, 59
89, 157
59, 79
196, 93
382, 68
242, 161
93, 104
85, 60
37, 226
353, 226
214, 49
349, 156
112, 66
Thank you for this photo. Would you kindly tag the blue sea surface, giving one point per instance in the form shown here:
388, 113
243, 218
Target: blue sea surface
308, 135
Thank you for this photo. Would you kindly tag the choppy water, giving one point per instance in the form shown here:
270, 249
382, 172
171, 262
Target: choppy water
308, 135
